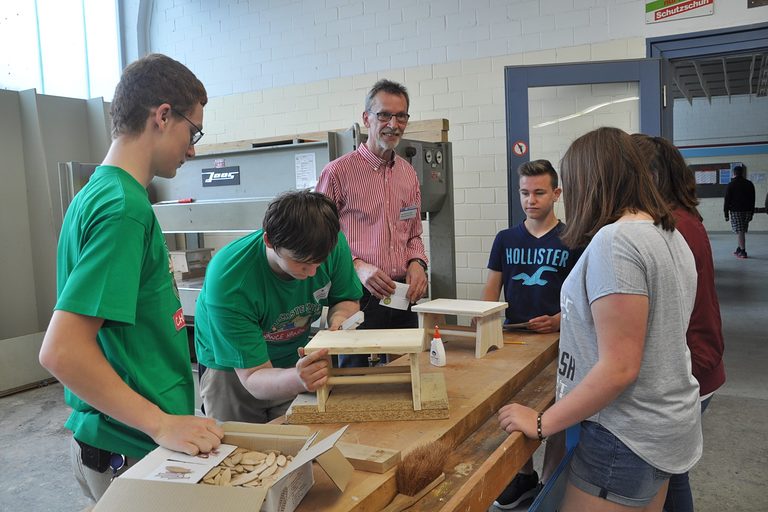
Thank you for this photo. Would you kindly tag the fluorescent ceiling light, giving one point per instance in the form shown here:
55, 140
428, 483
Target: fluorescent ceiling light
586, 111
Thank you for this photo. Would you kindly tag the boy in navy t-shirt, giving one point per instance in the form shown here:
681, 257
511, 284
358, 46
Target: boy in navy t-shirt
530, 263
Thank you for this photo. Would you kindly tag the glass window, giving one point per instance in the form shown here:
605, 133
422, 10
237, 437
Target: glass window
61, 47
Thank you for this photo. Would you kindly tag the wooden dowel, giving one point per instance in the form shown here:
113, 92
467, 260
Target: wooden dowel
369, 379
369, 370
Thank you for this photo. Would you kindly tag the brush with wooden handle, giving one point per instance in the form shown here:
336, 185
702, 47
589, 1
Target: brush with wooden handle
420, 471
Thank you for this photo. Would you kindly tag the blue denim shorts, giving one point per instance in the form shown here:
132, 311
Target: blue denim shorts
603, 466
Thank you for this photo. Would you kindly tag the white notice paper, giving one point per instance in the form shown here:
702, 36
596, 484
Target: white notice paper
306, 171
397, 300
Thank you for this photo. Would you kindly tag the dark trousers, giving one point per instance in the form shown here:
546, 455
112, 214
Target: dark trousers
378, 317
679, 497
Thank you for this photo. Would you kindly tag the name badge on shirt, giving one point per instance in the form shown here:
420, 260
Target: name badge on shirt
322, 293
409, 212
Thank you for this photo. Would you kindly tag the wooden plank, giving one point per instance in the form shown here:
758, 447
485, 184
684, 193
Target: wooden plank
430, 130
460, 307
476, 388
482, 466
369, 458
368, 341
369, 379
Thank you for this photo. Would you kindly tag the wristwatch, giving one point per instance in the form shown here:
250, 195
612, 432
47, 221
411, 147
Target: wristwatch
420, 262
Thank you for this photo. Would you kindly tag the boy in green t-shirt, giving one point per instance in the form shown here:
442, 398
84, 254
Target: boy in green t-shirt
117, 339
260, 295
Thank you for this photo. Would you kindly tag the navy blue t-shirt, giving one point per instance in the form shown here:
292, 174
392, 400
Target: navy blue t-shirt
533, 270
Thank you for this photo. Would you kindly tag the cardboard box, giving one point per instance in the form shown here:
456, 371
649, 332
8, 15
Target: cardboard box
130, 492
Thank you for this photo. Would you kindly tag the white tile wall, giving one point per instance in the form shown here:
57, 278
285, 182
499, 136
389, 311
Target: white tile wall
287, 66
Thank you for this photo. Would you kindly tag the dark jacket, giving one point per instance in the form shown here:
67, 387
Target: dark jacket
739, 196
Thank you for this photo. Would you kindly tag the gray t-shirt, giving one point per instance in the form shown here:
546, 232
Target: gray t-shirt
657, 416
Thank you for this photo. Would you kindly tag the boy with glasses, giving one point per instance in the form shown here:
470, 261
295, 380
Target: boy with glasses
117, 339
379, 201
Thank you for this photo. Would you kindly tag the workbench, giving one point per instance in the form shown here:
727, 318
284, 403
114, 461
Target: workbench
485, 458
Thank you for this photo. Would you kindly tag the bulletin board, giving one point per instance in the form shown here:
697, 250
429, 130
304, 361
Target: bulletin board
712, 179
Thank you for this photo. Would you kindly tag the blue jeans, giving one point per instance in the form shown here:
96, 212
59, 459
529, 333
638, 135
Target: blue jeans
604, 466
679, 497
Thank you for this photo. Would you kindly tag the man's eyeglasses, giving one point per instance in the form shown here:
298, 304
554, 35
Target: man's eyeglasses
195, 136
384, 117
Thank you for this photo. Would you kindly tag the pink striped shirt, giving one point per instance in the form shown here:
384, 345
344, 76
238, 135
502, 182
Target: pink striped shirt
379, 206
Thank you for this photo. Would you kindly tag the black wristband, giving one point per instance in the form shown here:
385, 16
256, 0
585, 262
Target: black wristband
538, 426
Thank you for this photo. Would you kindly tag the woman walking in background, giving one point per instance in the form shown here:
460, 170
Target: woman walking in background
739, 207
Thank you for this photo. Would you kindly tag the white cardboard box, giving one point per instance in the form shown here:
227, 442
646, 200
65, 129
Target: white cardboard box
130, 492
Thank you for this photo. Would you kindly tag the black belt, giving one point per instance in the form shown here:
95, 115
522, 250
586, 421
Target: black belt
100, 460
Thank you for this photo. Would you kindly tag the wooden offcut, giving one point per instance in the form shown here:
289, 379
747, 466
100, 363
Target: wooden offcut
373, 459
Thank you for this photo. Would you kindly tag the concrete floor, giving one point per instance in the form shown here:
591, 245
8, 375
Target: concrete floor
731, 476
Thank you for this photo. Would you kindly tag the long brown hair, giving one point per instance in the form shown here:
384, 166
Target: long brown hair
603, 178
674, 179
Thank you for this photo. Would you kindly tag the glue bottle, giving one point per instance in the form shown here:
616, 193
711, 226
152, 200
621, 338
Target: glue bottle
437, 351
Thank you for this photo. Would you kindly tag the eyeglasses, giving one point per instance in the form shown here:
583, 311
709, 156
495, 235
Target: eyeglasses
194, 137
384, 117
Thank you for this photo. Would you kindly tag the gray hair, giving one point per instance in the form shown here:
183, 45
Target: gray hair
387, 86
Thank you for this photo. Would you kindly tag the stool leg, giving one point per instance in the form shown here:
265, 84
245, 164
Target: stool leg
322, 397
415, 381
489, 334
428, 321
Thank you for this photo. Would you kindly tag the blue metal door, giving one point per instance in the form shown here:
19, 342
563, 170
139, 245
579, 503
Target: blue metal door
640, 81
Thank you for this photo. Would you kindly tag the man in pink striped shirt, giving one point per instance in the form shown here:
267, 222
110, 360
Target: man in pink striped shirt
379, 201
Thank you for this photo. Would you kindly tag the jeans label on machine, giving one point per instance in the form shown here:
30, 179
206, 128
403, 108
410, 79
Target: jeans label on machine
221, 177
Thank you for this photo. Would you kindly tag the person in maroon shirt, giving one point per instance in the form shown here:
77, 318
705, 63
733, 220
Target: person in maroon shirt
677, 185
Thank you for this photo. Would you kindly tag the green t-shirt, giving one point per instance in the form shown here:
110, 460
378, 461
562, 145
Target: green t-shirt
113, 264
246, 315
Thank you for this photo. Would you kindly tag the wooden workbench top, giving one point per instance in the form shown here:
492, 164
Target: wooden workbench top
477, 388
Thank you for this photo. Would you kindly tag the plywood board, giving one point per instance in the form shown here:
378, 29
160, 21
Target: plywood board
460, 307
374, 402
368, 341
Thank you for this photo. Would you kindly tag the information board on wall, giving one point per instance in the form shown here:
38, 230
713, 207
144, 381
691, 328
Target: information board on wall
657, 11
712, 179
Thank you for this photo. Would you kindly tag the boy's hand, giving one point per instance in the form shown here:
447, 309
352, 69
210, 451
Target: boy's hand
188, 434
545, 324
313, 369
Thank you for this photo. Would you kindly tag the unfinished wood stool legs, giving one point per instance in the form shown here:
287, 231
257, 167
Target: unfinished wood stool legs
370, 341
488, 332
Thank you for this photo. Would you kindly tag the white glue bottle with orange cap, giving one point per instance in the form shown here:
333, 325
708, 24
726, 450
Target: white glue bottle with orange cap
437, 351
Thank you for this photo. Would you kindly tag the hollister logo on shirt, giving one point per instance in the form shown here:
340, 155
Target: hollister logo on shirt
178, 320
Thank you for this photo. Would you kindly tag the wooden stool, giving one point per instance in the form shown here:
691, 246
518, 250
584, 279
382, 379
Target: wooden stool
370, 341
487, 334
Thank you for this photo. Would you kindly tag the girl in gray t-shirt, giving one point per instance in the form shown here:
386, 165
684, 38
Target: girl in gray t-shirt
624, 370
